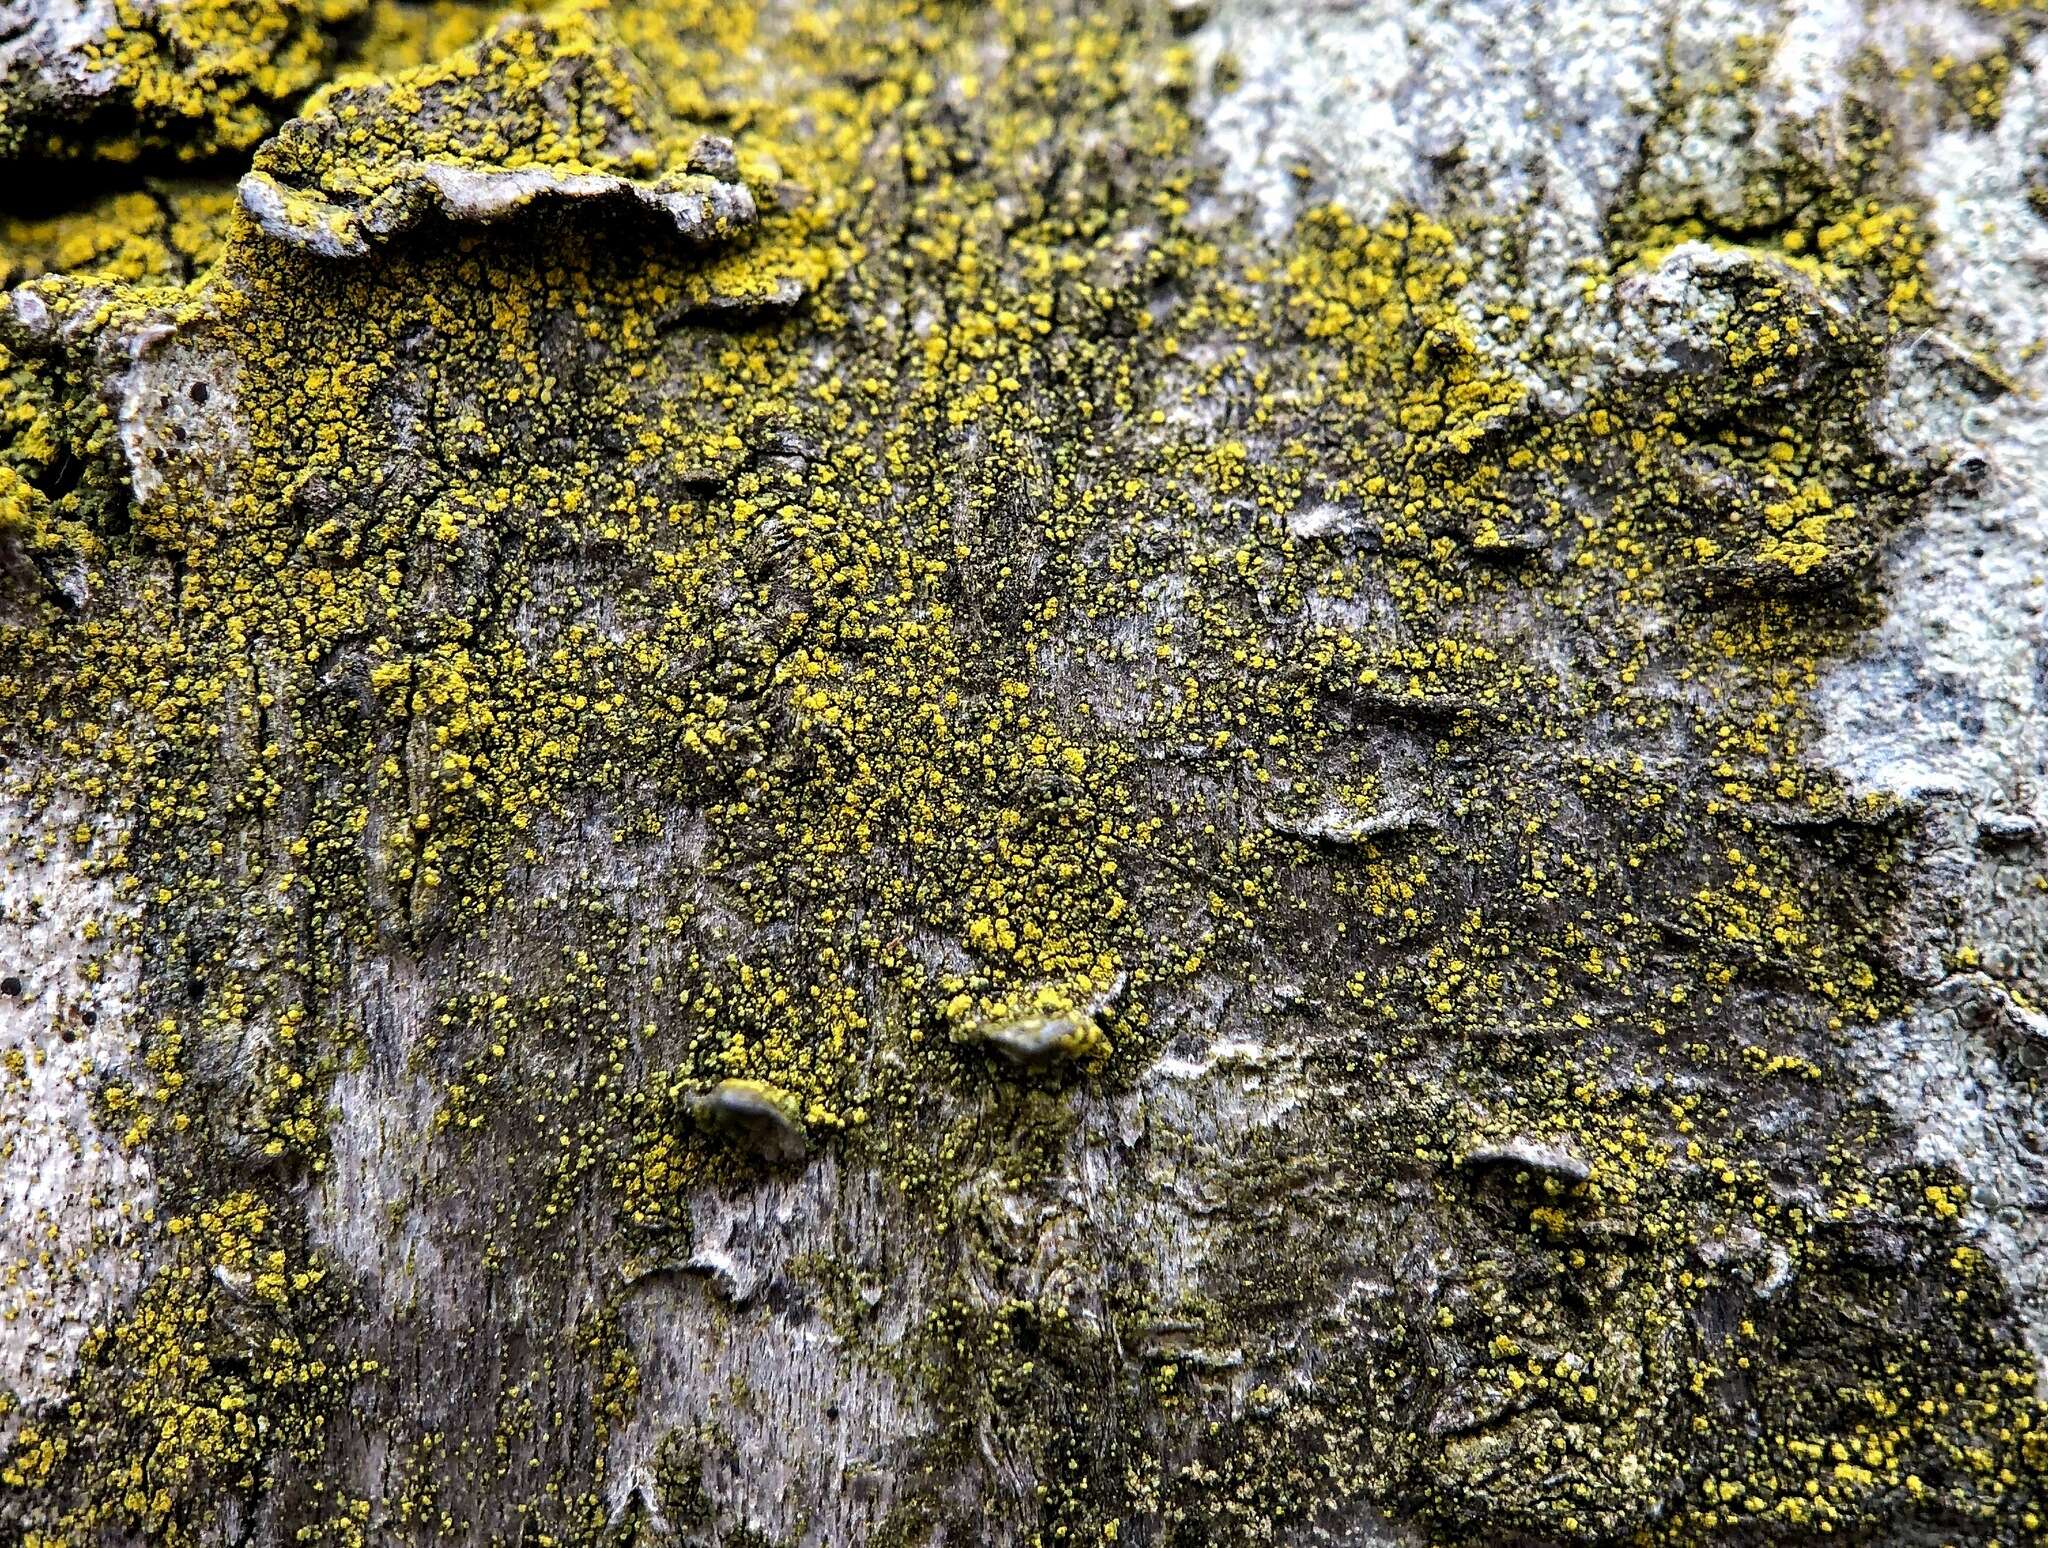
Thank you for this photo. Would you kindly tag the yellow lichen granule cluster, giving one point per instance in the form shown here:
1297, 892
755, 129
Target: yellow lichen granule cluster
869, 686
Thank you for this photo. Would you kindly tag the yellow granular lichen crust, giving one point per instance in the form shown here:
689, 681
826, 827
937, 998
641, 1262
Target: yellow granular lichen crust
189, 78
872, 691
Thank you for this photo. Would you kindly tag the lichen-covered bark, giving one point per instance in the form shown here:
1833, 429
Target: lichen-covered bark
1029, 773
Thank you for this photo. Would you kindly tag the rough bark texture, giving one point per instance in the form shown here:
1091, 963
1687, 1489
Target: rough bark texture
1023, 773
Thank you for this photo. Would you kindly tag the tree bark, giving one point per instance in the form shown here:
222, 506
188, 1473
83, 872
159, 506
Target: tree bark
1022, 773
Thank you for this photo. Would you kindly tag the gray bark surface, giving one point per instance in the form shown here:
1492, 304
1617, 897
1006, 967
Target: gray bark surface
950, 774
